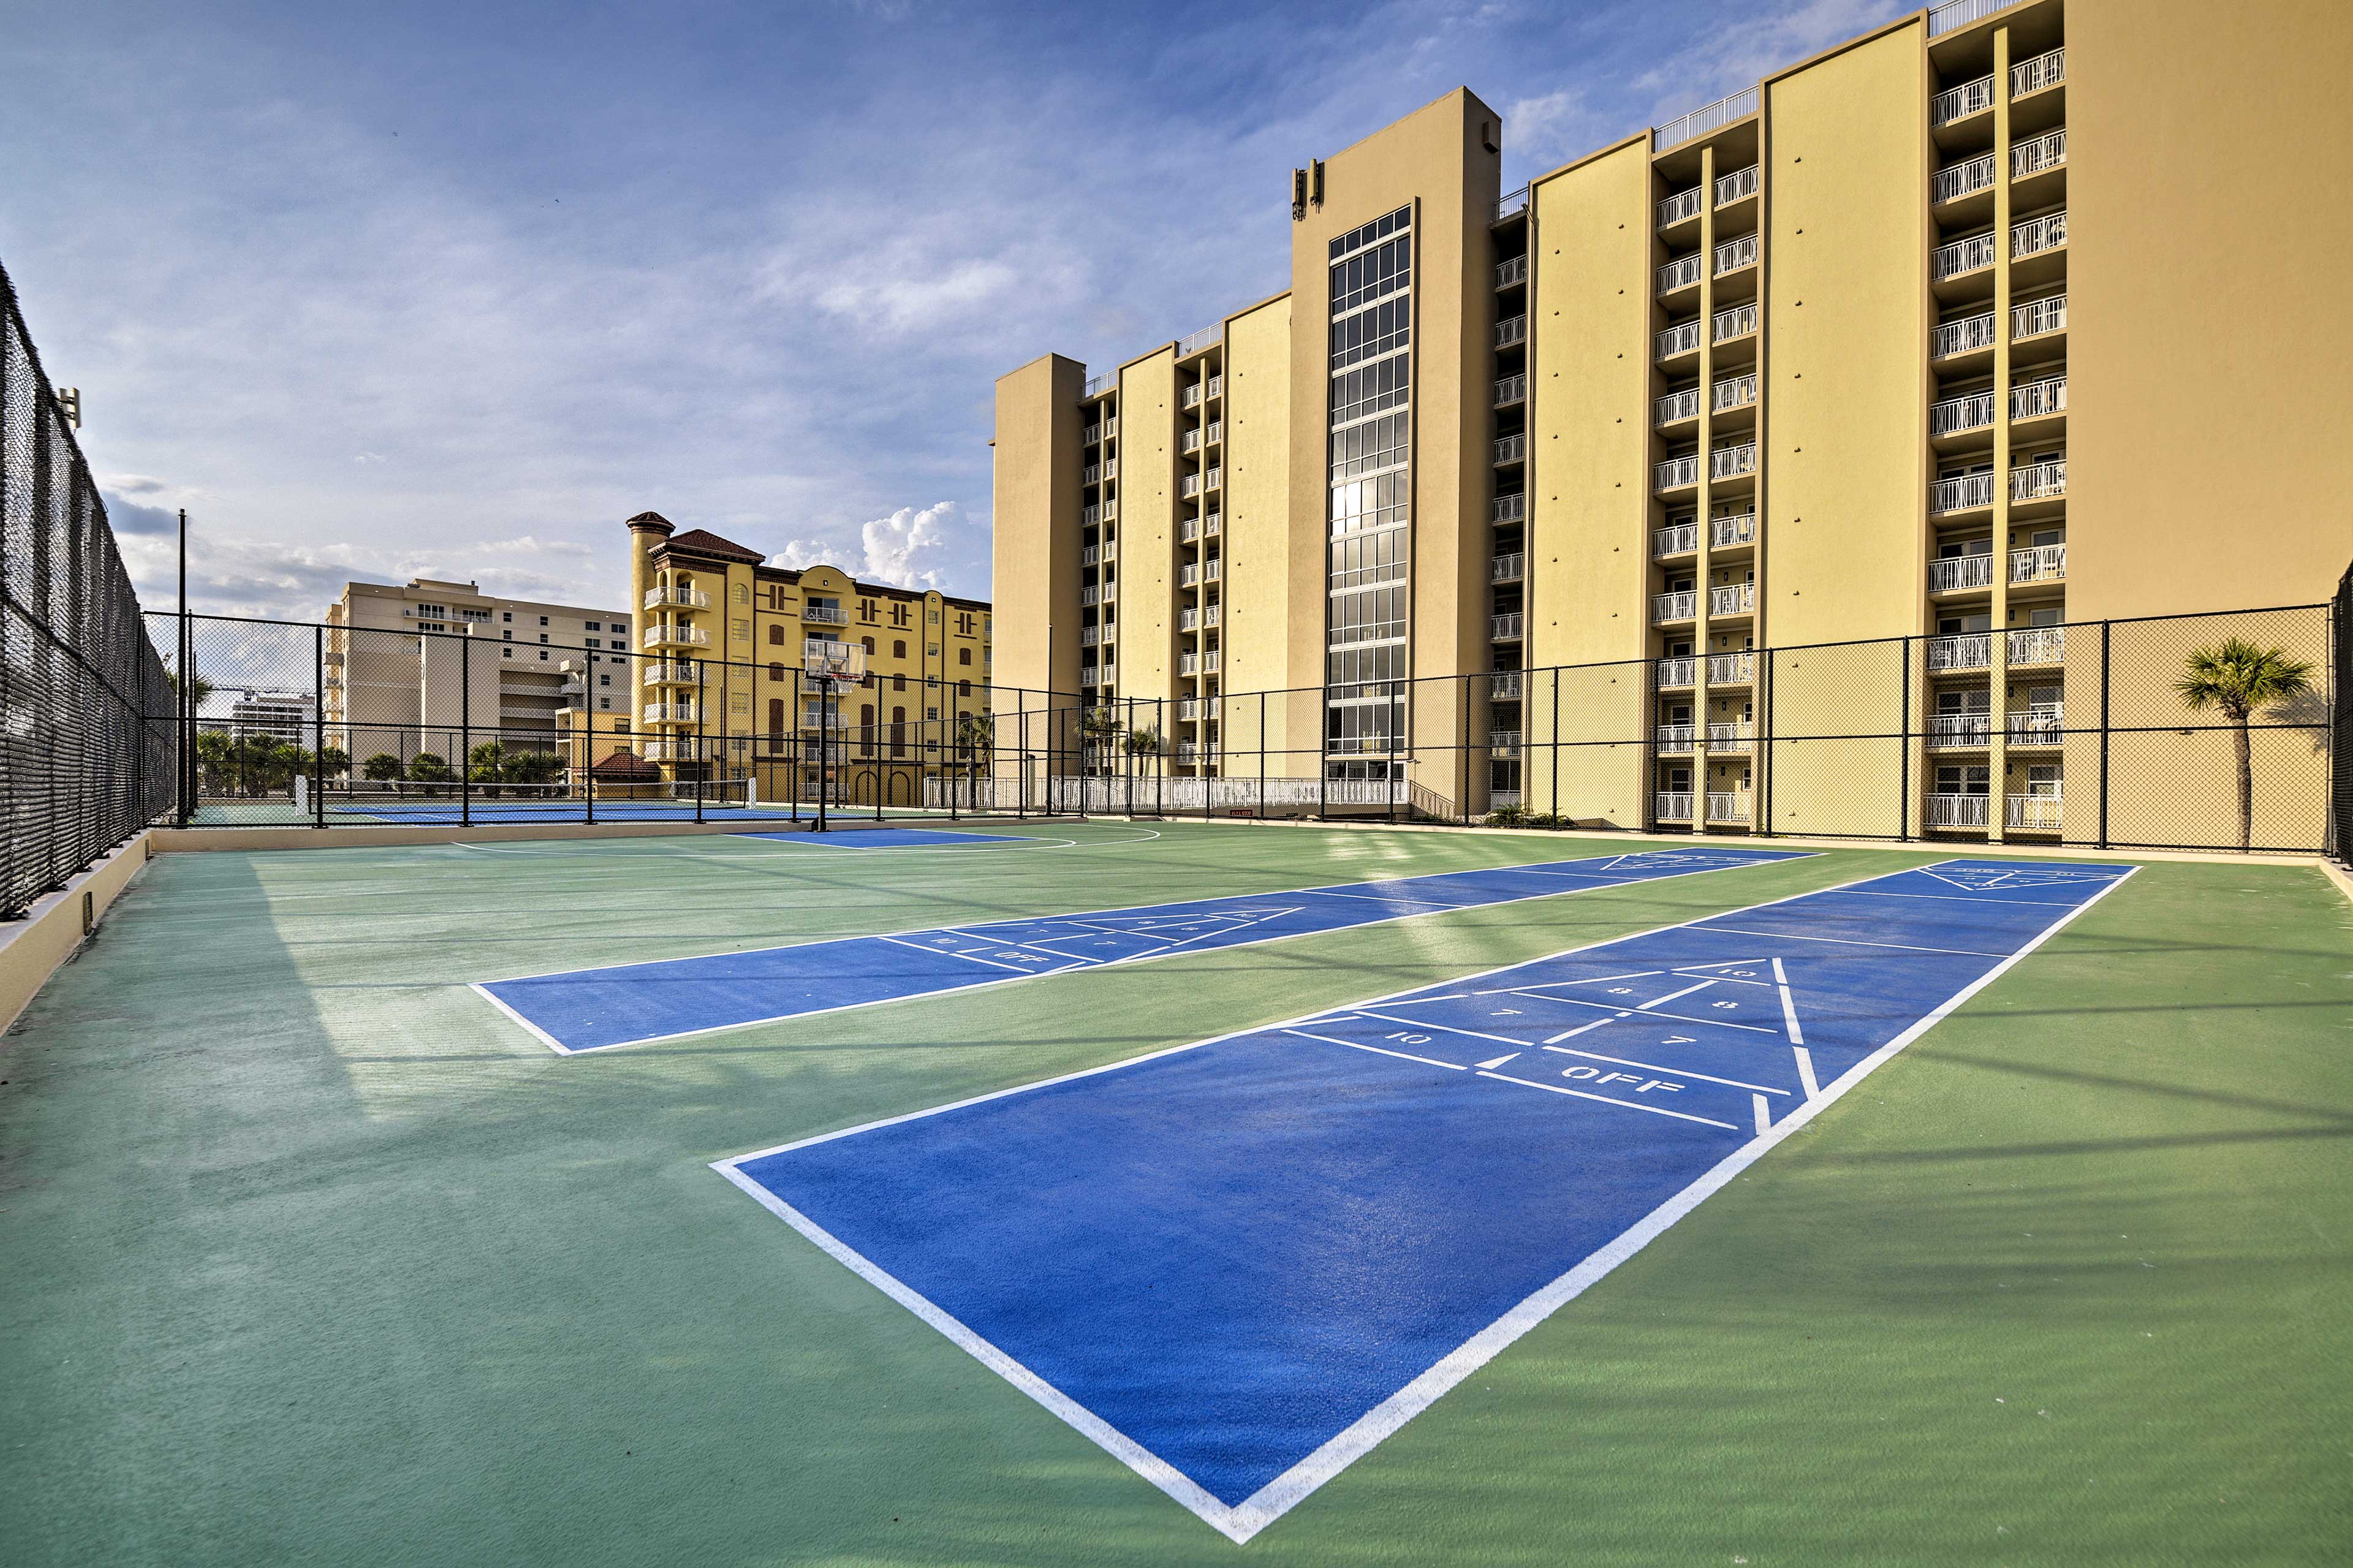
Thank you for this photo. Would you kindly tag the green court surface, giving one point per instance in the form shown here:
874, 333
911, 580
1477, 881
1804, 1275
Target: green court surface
308, 1255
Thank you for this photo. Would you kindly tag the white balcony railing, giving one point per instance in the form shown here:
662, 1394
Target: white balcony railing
1099, 384
1510, 270
2039, 481
1199, 571
1512, 450
1968, 650
1090, 516
1965, 178
1677, 407
1512, 389
1734, 392
825, 615
1674, 740
1188, 664
1956, 811
1736, 322
1676, 539
1210, 662
1193, 342
1960, 102
1091, 435
1734, 739
1964, 492
1504, 742
2037, 317
1732, 599
1968, 730
2044, 724
1089, 675
1726, 805
1732, 187
1680, 208
2039, 563
1956, 573
1515, 201
683, 598
669, 712
2031, 813
1675, 473
662, 674
1682, 338
1091, 474
1090, 556
1507, 568
1674, 672
1737, 528
1731, 462
1964, 336
2039, 399
1974, 254
2039, 644
1731, 668
1506, 627
668, 751
1190, 442
1710, 117
1735, 254
1973, 412
1090, 635
2038, 234
1503, 685
1674, 806
661, 635
2041, 71
1510, 331
1095, 593
1683, 272
1190, 710
1510, 508
2048, 151
1680, 606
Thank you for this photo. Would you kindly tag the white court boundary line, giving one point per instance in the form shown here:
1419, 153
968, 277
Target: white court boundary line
1239, 1521
1766, 858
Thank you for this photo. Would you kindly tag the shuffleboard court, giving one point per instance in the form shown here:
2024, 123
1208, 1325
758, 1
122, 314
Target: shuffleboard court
893, 838
593, 1009
1238, 1264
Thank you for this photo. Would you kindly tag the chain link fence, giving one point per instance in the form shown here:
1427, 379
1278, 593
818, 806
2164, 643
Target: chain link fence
87, 744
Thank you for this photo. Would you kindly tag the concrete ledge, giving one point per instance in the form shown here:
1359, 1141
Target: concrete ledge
183, 840
31, 949
2336, 872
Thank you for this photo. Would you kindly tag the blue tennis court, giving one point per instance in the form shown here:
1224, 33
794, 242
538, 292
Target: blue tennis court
892, 838
1238, 1264
592, 1009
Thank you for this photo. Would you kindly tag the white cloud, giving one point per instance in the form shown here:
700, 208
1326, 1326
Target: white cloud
912, 548
1549, 129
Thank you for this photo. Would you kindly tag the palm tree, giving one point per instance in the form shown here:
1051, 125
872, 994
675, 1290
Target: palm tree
2237, 677
199, 688
1143, 742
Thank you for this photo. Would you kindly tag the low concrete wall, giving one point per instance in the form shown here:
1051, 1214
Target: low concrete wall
31, 949
183, 840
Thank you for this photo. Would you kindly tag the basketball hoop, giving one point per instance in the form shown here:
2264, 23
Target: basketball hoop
834, 667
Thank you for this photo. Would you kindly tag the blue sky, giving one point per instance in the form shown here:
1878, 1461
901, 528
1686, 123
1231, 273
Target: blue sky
393, 290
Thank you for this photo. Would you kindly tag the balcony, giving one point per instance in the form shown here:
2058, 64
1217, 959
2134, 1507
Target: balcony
1676, 539
668, 712
1958, 104
1967, 335
1092, 555
1674, 673
2039, 399
1680, 208
1192, 344
1510, 270
682, 598
1960, 574
1672, 807
1681, 273
1099, 384
2041, 71
2039, 481
1210, 662
1682, 338
662, 674
1096, 593
1732, 599
1194, 528
1675, 473
1511, 450
1969, 650
1738, 185
1090, 635
2038, 645
2044, 724
1512, 389
1503, 685
1737, 322
1190, 710
1953, 414
1956, 811
1731, 668
820, 719
2037, 317
1510, 508
1737, 528
2031, 813
2038, 234
1206, 616
669, 751
1680, 606
1699, 122
1506, 627
2041, 563
1731, 739
1967, 178
1960, 731
1507, 568
1091, 474
1088, 675
1089, 515
1963, 492
1735, 254
1504, 742
1726, 805
1732, 462
661, 635
1510, 204
824, 615
1512, 330
2040, 155
1202, 482
1676, 406
1962, 257
1735, 392
1199, 571
1675, 739
1188, 664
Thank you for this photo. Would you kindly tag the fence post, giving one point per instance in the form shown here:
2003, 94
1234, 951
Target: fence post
2104, 733
1262, 756
701, 753
318, 724
1903, 743
1765, 743
465, 724
1556, 737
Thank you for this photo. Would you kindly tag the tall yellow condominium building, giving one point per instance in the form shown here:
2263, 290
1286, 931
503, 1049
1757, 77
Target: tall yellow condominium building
1793, 369
720, 677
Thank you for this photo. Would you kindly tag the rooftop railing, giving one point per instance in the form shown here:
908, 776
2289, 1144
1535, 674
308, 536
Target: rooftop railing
1699, 122
1954, 15
1193, 343
1516, 202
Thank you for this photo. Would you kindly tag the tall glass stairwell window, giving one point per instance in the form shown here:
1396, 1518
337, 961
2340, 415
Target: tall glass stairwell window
1370, 516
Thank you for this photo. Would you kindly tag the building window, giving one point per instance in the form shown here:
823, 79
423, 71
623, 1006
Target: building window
869, 643
899, 647
506, 615
506, 653
898, 731
542, 620
739, 630
507, 636
898, 683
605, 704
594, 625
543, 637
964, 688
604, 680
596, 642
963, 656
776, 634
775, 672
743, 593
776, 717
543, 656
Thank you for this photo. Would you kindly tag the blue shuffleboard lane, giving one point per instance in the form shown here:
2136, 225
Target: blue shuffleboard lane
1238, 1264
593, 1009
